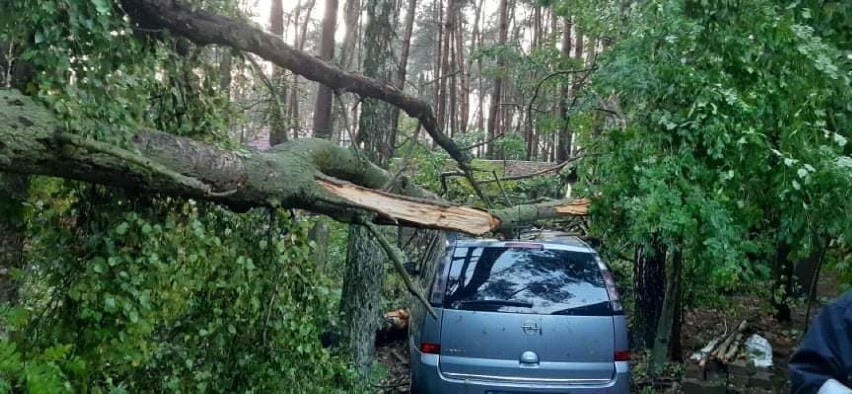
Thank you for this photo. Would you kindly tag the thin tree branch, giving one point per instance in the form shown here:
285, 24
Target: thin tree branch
545, 171
393, 254
269, 85
486, 142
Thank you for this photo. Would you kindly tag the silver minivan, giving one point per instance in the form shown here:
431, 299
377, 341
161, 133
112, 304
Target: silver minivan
526, 316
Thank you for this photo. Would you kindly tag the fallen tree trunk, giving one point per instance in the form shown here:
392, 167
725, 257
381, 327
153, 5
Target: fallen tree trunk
309, 174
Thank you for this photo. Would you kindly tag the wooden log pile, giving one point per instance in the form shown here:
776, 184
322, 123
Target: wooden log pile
721, 366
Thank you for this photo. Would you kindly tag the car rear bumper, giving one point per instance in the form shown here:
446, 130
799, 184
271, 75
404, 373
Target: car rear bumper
426, 378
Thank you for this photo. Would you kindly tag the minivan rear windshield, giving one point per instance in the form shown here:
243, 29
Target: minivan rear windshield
525, 280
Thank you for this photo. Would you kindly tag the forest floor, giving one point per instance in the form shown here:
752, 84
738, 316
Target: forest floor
700, 326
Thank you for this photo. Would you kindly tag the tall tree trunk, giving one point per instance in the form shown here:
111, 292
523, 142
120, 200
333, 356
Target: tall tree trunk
663, 340
349, 55
13, 194
578, 48
225, 67
322, 106
649, 287
438, 10
277, 121
351, 21
405, 47
563, 151
529, 125
299, 43
464, 73
443, 75
783, 282
476, 39
494, 113
453, 70
362, 284
13, 190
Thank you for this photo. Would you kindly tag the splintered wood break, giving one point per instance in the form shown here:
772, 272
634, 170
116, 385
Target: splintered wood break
579, 207
440, 215
423, 213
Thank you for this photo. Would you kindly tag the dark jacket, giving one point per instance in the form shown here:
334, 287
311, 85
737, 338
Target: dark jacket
826, 350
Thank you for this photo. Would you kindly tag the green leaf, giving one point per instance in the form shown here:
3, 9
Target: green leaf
102, 6
98, 265
110, 304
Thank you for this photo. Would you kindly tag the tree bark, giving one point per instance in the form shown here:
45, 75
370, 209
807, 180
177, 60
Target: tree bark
649, 285
361, 298
783, 271
351, 18
307, 173
294, 117
13, 195
277, 116
494, 112
405, 47
663, 340
322, 106
464, 73
13, 191
360, 302
563, 150
474, 45
225, 67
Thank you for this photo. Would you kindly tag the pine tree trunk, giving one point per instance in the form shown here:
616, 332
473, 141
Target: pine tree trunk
351, 21
361, 300
349, 55
494, 112
444, 75
563, 150
322, 106
277, 122
360, 304
476, 38
405, 47
299, 43
464, 74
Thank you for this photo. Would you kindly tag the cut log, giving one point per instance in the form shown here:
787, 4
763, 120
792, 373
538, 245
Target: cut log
720, 352
732, 350
702, 355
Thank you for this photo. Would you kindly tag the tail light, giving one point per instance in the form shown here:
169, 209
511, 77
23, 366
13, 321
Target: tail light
430, 348
622, 356
609, 282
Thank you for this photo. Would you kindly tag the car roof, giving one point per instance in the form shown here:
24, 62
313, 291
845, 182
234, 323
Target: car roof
550, 238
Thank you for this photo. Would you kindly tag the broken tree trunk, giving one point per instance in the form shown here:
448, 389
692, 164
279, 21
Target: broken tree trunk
311, 174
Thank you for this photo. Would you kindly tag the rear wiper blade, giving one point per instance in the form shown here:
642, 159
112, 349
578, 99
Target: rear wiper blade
518, 303
597, 309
